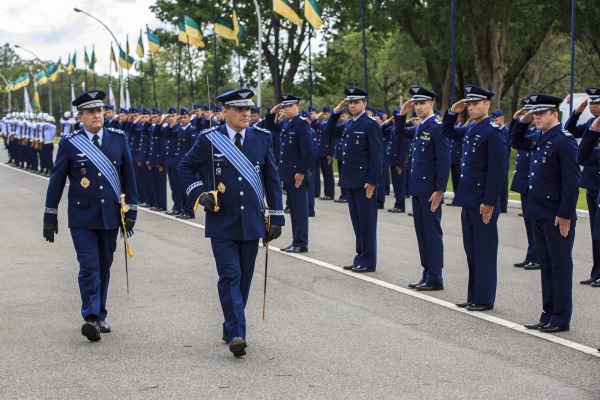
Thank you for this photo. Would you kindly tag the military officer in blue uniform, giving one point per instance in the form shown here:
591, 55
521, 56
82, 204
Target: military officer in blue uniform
156, 162
186, 136
296, 153
362, 156
141, 155
172, 159
241, 169
455, 159
98, 163
552, 198
498, 119
395, 159
429, 175
520, 184
338, 152
590, 177
325, 148
255, 117
483, 168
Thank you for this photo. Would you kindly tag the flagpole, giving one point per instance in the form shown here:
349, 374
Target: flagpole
62, 89
153, 81
259, 48
179, 77
572, 82
127, 57
142, 75
276, 31
452, 47
191, 70
310, 77
94, 70
240, 67
364, 43
86, 66
216, 67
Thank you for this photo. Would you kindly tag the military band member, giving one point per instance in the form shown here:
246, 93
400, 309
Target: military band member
590, 177
362, 156
241, 169
429, 175
552, 198
483, 168
98, 163
296, 154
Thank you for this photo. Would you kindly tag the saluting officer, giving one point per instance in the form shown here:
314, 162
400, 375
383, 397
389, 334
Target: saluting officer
395, 156
172, 162
520, 184
98, 163
590, 177
241, 171
552, 198
362, 156
498, 119
156, 162
429, 175
483, 168
186, 136
296, 154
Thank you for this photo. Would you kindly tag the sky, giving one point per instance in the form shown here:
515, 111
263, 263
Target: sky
57, 31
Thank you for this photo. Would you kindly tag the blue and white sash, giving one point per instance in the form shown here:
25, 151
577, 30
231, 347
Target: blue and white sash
100, 160
240, 162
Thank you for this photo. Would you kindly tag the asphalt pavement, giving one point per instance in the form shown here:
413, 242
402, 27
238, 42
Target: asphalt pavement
328, 333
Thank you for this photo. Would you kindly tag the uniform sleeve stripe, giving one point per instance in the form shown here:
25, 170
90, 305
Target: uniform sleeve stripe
276, 212
193, 186
51, 210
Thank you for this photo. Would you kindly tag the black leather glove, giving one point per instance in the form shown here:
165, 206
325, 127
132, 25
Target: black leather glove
208, 201
273, 233
129, 223
50, 228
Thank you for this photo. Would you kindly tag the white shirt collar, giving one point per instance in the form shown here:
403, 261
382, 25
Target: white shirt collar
91, 135
355, 118
231, 133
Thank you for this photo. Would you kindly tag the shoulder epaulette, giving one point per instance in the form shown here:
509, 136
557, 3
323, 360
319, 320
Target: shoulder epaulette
70, 135
566, 133
115, 130
494, 125
260, 129
437, 121
209, 130
373, 118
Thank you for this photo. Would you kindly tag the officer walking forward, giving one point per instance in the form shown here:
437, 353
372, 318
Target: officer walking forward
552, 198
241, 172
482, 174
98, 163
362, 156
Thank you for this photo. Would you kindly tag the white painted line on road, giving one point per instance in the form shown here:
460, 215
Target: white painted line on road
409, 292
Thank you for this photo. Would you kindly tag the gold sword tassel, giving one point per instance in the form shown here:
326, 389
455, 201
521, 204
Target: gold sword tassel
128, 251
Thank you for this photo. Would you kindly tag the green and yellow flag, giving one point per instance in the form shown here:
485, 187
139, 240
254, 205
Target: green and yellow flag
229, 29
153, 42
139, 49
70, 65
184, 37
40, 78
36, 99
284, 8
86, 59
53, 71
93, 60
192, 28
125, 60
113, 58
312, 13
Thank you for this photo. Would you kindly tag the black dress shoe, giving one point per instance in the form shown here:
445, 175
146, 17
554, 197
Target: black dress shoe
349, 267
186, 216
173, 212
286, 210
595, 283
291, 246
553, 329
340, 201
588, 281
326, 198
311, 214
104, 327
415, 284
91, 331
532, 266
238, 347
297, 250
429, 288
520, 214
225, 338
380, 207
463, 305
144, 205
521, 264
480, 307
360, 269
396, 210
536, 325
158, 209
410, 214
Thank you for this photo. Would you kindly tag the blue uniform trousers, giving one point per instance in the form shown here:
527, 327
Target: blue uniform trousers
235, 265
504, 195
328, 181
340, 165
298, 200
455, 175
399, 185
429, 237
380, 190
95, 249
140, 179
316, 177
386, 184
177, 191
531, 250
591, 196
555, 253
311, 196
481, 246
159, 184
363, 214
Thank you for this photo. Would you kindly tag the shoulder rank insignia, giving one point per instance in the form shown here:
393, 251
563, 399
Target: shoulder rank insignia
70, 135
214, 128
566, 133
261, 129
115, 130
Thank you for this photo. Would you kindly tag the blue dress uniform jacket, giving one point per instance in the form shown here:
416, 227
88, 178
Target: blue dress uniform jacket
240, 217
362, 158
482, 174
94, 212
588, 155
553, 192
94, 207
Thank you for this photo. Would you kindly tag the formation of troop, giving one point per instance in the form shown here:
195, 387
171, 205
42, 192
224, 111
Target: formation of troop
236, 165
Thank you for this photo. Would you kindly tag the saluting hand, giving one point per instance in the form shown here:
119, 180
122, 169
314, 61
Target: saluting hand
458, 107
369, 190
581, 107
486, 213
276, 109
519, 113
329, 160
406, 107
596, 124
340, 106
527, 118
564, 225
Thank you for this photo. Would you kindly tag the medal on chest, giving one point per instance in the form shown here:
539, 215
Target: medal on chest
85, 182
